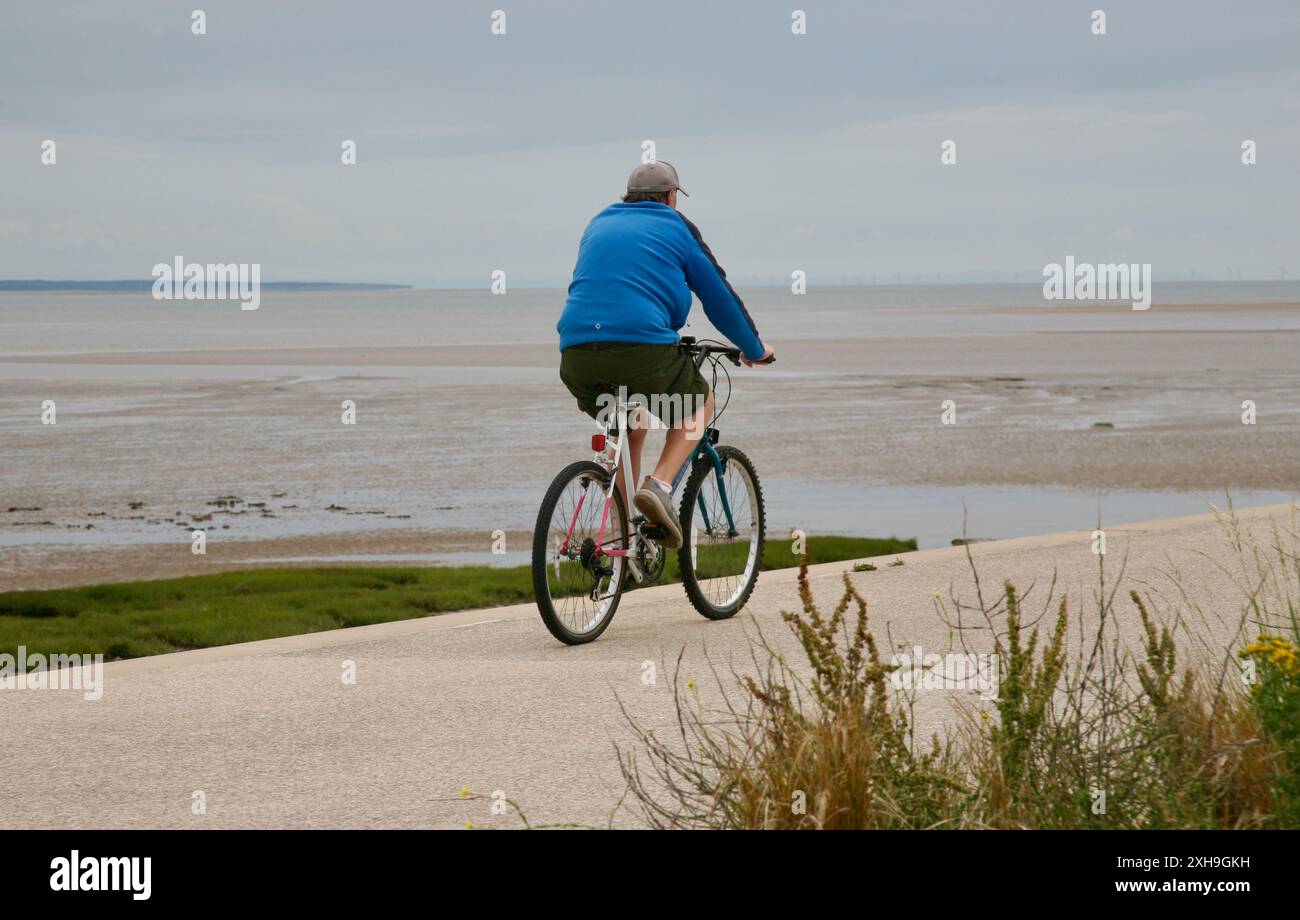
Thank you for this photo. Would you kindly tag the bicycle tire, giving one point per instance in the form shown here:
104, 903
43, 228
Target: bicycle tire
700, 473
541, 565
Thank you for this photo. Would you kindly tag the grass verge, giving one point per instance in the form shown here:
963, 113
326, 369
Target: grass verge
133, 619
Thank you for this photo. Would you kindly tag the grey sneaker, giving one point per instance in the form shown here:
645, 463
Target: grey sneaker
656, 503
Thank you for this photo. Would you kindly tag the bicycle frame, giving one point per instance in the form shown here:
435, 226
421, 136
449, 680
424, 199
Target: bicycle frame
621, 459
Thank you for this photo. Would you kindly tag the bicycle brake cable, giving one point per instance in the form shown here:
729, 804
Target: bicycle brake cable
716, 361
718, 365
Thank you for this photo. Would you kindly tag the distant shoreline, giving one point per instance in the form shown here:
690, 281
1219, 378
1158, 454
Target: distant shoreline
908, 283
146, 285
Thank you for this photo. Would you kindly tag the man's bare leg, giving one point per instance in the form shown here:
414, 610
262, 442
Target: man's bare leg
682, 441
655, 497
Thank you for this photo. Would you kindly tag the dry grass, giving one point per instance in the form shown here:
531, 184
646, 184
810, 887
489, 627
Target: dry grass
1086, 734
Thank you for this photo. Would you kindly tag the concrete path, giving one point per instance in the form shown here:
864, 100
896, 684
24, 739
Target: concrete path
271, 736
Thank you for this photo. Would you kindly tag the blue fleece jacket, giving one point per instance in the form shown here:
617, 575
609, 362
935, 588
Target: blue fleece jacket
638, 263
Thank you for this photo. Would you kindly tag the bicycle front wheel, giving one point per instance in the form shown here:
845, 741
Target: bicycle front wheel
723, 533
577, 587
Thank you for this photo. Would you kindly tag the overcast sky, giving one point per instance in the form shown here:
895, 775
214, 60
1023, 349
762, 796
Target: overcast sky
818, 152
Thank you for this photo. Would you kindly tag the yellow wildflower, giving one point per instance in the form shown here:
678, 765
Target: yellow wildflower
1276, 650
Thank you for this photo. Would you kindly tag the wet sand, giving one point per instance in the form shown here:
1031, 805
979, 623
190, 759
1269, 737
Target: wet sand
60, 566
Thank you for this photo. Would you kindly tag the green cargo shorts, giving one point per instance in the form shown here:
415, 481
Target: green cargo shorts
662, 378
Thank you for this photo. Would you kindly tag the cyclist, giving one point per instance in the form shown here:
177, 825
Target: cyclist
638, 262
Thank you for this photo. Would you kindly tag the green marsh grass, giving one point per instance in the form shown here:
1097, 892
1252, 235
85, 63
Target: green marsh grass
132, 619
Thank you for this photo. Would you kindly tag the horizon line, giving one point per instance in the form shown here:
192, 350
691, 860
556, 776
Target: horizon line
28, 285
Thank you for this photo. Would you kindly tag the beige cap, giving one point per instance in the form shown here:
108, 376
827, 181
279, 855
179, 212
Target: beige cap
655, 176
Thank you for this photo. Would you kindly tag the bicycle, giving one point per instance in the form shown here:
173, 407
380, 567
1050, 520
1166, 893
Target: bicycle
580, 568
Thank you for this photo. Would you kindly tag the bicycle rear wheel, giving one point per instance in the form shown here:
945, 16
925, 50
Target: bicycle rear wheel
577, 588
720, 555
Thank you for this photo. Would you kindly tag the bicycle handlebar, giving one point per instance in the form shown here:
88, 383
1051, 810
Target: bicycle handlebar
704, 349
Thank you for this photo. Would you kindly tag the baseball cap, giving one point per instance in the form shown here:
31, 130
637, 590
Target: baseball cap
655, 176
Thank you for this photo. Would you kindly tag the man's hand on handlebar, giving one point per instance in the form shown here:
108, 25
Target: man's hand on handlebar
768, 357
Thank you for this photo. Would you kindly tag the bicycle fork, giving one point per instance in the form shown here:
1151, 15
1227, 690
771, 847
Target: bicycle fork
706, 449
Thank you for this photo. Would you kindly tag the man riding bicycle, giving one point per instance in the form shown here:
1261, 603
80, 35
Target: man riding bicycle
638, 262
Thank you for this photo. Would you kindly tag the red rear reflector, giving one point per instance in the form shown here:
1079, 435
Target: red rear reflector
597, 442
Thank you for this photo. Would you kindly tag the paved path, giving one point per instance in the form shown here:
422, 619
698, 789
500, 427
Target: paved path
272, 736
